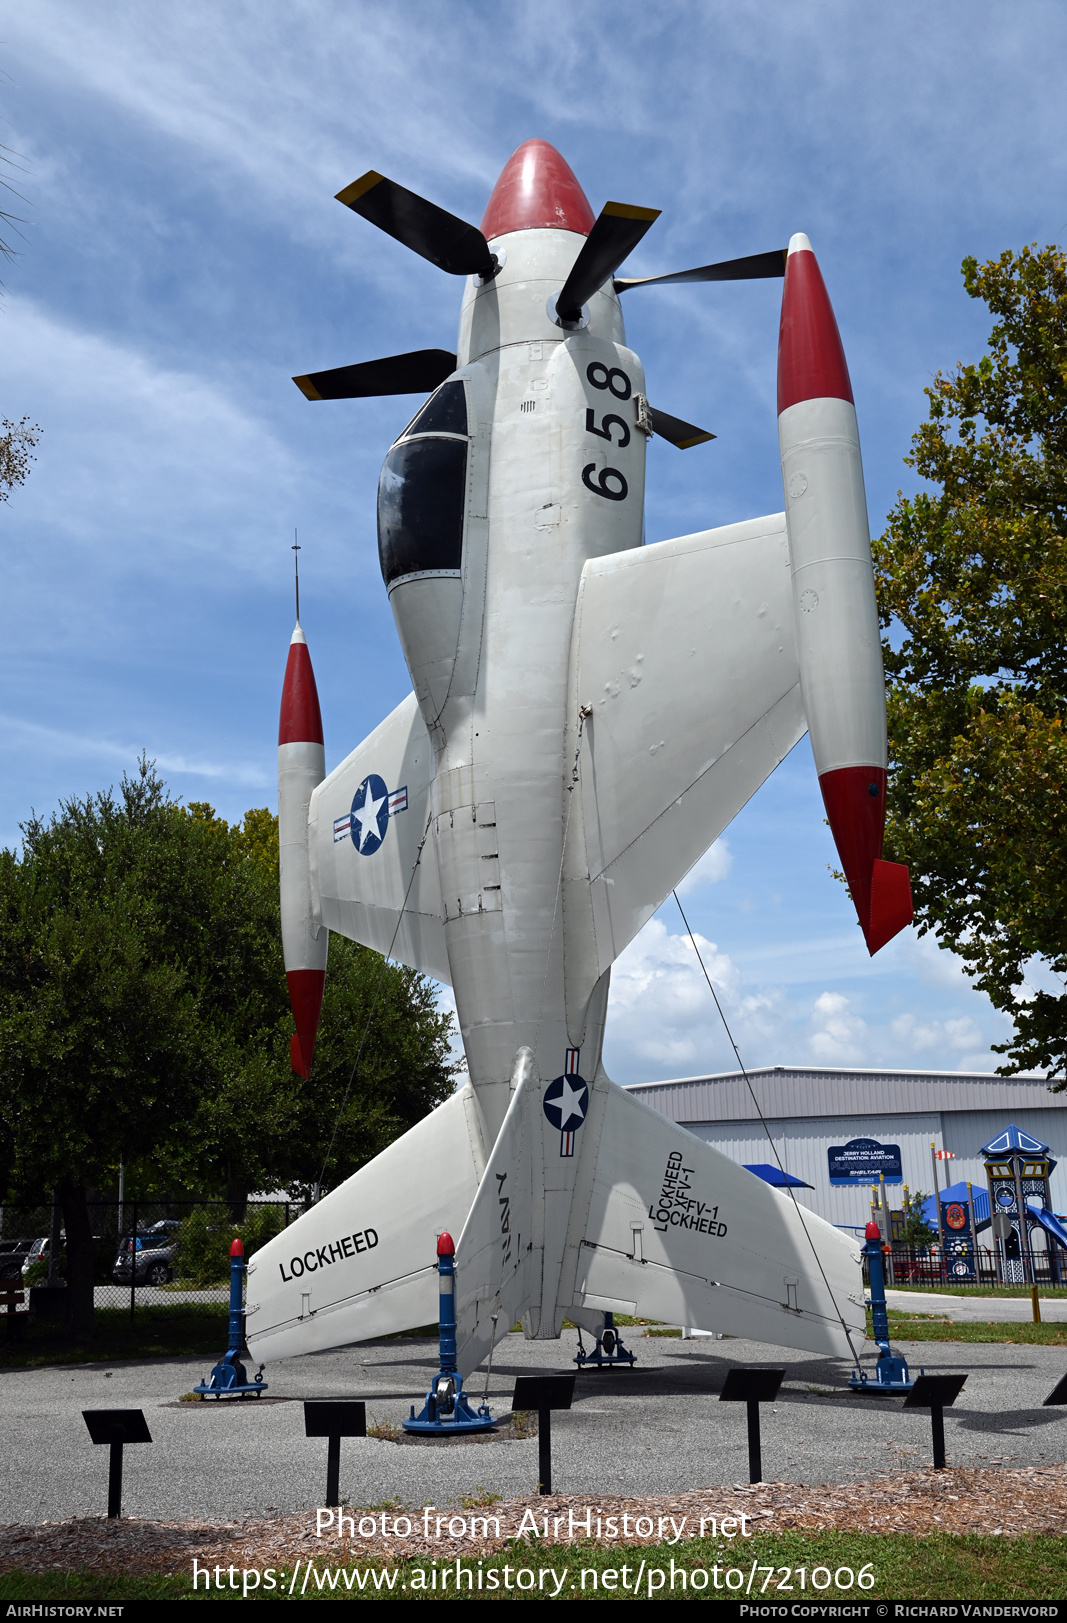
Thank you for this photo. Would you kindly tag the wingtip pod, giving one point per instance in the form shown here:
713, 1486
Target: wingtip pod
299, 719
842, 680
891, 908
301, 768
811, 357
306, 987
854, 798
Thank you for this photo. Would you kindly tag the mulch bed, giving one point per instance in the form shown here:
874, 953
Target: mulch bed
1005, 1501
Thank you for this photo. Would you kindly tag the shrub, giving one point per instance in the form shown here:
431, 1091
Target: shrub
204, 1240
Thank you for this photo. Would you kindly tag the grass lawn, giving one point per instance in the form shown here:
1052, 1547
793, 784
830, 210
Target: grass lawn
1051, 1292
794, 1567
924, 1327
155, 1332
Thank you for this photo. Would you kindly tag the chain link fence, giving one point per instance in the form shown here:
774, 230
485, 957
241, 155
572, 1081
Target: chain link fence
145, 1253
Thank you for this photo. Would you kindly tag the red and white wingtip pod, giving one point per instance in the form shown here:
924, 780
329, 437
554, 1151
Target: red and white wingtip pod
301, 768
841, 674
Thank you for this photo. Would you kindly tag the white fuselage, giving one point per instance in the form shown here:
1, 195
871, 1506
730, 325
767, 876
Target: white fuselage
500, 795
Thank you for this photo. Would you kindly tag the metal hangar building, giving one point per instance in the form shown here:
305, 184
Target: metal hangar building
810, 1110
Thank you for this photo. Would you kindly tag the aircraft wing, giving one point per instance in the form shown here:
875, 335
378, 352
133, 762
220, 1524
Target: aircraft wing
361, 1262
677, 1232
685, 655
370, 889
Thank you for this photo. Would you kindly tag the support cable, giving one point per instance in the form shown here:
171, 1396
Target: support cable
763, 1122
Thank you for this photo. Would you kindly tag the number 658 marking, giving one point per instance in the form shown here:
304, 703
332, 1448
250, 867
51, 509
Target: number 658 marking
601, 486
611, 420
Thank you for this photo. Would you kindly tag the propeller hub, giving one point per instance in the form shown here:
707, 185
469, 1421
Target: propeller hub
537, 189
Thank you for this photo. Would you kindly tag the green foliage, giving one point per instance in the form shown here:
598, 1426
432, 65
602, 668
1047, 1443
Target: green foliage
203, 1255
144, 1018
915, 1230
972, 585
205, 1237
261, 1224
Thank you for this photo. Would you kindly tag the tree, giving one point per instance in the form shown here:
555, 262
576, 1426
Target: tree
16, 452
100, 1047
972, 586
144, 1018
915, 1229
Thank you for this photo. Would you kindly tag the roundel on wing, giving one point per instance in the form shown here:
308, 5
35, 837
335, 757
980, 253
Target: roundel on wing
566, 1102
369, 820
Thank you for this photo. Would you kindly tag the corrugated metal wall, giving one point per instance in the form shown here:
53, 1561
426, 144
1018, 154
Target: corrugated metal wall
959, 1112
802, 1146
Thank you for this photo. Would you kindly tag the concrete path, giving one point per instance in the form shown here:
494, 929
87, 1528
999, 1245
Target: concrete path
656, 1428
979, 1309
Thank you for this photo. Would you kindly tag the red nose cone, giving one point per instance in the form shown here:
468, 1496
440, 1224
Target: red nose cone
872, 1232
300, 721
446, 1246
811, 360
237, 1249
537, 187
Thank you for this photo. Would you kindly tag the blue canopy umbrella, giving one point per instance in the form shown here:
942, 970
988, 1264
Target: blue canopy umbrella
775, 1176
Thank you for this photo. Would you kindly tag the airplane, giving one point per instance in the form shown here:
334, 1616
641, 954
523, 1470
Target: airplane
587, 714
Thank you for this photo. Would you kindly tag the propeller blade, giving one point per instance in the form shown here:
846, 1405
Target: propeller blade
677, 431
749, 269
616, 232
418, 372
442, 238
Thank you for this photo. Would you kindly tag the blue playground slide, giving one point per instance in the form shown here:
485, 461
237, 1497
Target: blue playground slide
1049, 1222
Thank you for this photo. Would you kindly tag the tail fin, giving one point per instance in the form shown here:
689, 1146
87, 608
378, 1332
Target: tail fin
500, 1252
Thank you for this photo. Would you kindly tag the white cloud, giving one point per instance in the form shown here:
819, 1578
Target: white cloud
662, 1018
82, 746
144, 464
838, 1037
917, 1036
714, 866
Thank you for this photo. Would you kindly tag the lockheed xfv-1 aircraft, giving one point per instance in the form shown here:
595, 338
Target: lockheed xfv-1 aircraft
587, 715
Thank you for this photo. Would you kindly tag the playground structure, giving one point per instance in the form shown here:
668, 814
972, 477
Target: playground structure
1018, 1167
1015, 1207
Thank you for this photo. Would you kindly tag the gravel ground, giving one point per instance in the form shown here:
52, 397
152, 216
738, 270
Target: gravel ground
1006, 1502
655, 1430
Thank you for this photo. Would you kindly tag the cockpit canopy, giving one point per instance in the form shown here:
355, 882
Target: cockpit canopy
422, 491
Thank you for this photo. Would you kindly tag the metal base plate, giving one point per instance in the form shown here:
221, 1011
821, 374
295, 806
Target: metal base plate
461, 1425
251, 1391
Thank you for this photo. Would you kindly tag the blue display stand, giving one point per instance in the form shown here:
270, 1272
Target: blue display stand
447, 1411
229, 1378
891, 1371
609, 1352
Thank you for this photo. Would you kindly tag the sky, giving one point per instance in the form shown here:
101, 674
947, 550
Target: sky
181, 256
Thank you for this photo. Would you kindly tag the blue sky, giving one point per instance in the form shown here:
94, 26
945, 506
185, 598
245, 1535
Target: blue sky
183, 256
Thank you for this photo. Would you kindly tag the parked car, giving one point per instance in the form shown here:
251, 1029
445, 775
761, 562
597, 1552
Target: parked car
148, 1257
12, 1256
37, 1252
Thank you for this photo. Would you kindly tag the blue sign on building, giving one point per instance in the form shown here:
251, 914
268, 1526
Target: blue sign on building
863, 1160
